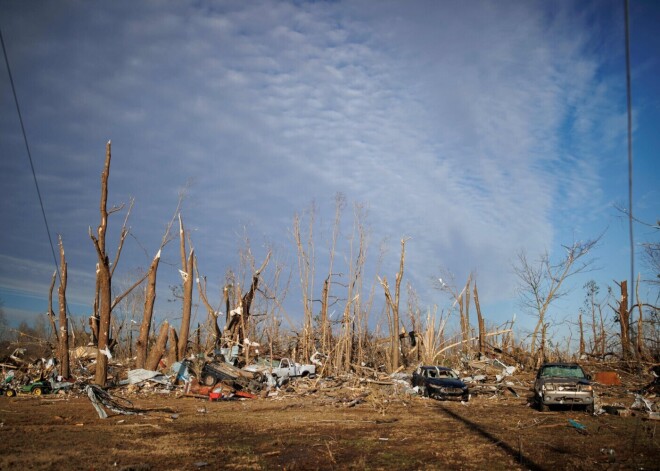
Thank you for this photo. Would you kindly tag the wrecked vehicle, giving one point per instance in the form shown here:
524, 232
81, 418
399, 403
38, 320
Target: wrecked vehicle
440, 382
219, 371
283, 368
563, 384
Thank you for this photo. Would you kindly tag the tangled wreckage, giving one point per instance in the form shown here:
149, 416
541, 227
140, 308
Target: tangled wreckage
214, 379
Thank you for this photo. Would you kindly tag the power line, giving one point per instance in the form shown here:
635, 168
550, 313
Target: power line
630, 156
29, 154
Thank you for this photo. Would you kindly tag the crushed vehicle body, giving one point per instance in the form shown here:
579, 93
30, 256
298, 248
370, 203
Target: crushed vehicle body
440, 382
219, 371
283, 368
563, 384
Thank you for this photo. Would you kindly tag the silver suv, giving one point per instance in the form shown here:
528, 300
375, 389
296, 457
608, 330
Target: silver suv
563, 384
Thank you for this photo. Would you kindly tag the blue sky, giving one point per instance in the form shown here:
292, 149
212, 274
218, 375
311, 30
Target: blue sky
477, 129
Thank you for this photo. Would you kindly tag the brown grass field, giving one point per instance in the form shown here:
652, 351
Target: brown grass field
318, 431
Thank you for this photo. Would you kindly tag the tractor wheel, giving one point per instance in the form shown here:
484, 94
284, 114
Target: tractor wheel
37, 391
10, 393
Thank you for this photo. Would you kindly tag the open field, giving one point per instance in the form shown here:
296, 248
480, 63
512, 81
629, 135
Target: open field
312, 432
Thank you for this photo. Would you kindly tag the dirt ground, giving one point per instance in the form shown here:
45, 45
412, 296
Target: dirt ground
314, 432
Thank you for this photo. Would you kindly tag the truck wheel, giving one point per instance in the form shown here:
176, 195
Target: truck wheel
259, 377
590, 408
543, 407
209, 380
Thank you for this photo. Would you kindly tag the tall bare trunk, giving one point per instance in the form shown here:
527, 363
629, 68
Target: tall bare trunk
51, 313
581, 335
149, 300
480, 321
393, 309
624, 320
103, 277
64, 329
639, 346
187, 274
464, 306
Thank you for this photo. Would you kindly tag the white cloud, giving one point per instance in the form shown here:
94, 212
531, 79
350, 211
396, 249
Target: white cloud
449, 120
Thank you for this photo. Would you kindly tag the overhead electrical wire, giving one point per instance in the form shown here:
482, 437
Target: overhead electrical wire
29, 154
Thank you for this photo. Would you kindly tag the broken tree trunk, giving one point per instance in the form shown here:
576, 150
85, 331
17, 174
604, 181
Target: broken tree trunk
624, 320
464, 307
172, 353
393, 309
212, 313
104, 271
582, 347
63, 330
94, 318
149, 300
187, 275
480, 321
639, 344
103, 277
238, 321
51, 313
157, 351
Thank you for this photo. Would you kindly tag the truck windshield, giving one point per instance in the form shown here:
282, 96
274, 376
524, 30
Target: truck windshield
568, 371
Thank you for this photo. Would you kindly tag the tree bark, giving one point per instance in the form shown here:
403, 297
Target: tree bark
464, 306
172, 353
624, 320
581, 335
51, 313
480, 320
150, 298
187, 275
64, 329
393, 309
103, 277
157, 351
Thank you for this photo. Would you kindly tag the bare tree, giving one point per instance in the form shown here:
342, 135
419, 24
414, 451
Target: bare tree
480, 321
392, 308
325, 327
542, 282
306, 266
104, 271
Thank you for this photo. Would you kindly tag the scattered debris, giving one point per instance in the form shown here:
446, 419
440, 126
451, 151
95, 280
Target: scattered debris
578, 426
